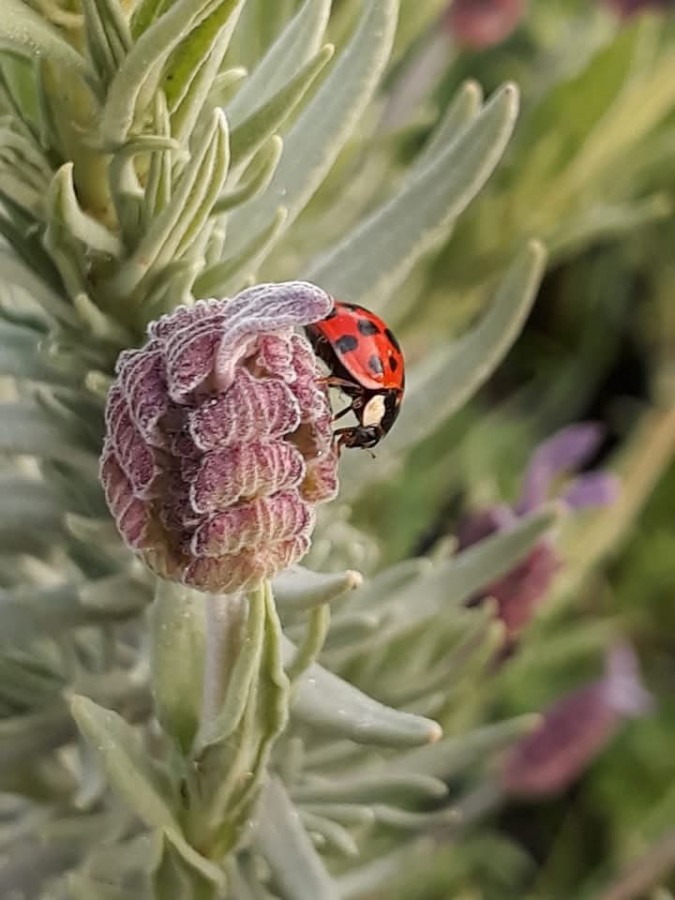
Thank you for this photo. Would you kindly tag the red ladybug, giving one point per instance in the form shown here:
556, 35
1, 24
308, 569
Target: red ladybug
366, 362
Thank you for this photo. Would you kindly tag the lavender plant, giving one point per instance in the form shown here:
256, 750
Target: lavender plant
181, 717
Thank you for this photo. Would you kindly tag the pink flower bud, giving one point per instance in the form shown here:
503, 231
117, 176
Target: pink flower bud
575, 729
219, 438
478, 24
625, 9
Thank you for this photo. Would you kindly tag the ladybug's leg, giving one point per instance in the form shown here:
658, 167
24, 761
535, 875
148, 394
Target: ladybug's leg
343, 412
334, 381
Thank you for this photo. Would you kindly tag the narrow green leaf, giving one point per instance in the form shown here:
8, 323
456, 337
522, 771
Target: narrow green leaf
37, 612
333, 706
453, 754
372, 787
30, 515
201, 182
298, 871
15, 272
178, 632
334, 837
443, 383
20, 355
139, 75
324, 126
24, 737
316, 629
25, 31
296, 44
27, 431
221, 279
194, 68
62, 203
450, 379
464, 109
256, 176
379, 253
300, 589
107, 35
130, 771
196, 874
451, 584
248, 137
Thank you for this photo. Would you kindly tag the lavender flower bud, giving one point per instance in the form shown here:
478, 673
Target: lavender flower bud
519, 592
478, 24
625, 9
219, 438
576, 729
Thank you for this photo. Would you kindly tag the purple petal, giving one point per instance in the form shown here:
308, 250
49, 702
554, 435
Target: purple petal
594, 489
566, 451
623, 685
480, 524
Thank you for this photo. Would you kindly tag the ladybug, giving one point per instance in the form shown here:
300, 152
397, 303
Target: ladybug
366, 362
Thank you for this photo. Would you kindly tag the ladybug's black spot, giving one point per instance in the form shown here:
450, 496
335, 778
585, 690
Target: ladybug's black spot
346, 343
393, 362
367, 327
391, 338
375, 365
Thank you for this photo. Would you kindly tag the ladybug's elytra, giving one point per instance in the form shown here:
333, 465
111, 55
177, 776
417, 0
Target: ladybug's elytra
366, 362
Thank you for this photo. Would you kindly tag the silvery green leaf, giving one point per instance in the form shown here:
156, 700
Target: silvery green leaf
380, 252
297, 870
449, 379
250, 135
20, 356
463, 110
300, 589
25, 31
333, 706
193, 69
371, 787
33, 612
137, 780
376, 592
255, 178
221, 279
28, 432
138, 77
296, 44
63, 204
181, 866
107, 35
449, 585
31, 517
325, 124
443, 383
14, 272
454, 753
178, 633
34, 734
116, 597
190, 206
329, 835
311, 643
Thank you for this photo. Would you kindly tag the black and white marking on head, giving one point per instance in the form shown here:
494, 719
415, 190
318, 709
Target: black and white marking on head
373, 411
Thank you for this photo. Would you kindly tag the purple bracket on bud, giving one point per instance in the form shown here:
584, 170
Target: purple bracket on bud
219, 438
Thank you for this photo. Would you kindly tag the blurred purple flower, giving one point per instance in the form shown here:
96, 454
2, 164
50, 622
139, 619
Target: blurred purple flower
520, 591
575, 729
478, 24
219, 438
625, 9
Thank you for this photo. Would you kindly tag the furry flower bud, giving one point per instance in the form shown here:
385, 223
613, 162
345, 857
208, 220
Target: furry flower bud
219, 438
